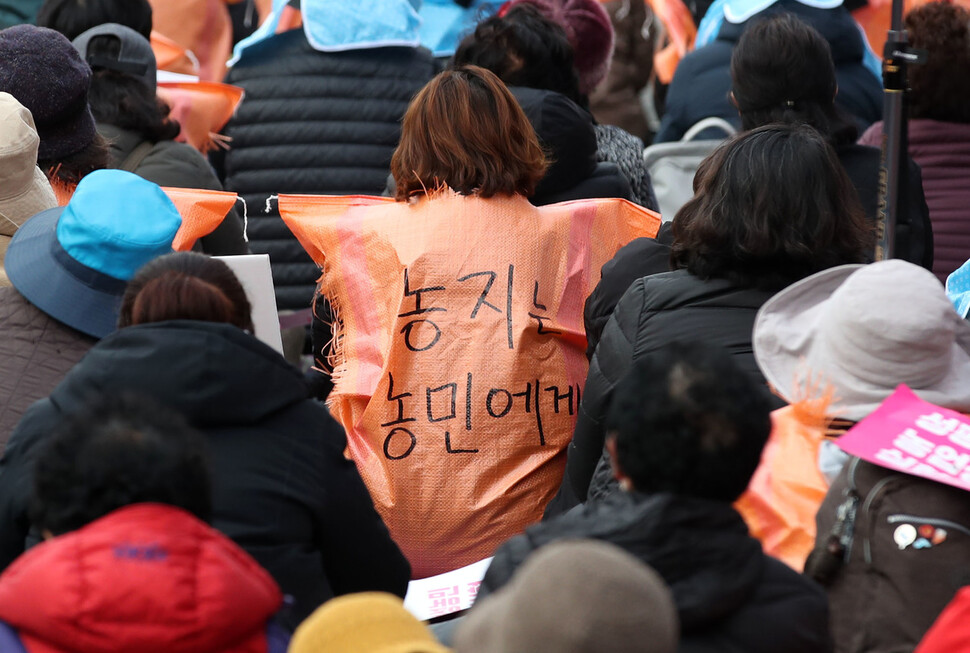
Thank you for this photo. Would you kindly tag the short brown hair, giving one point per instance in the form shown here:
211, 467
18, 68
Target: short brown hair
771, 206
465, 130
185, 286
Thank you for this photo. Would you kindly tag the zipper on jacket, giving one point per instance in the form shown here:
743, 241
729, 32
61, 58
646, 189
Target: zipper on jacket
932, 521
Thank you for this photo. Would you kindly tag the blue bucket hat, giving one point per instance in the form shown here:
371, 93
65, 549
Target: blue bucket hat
73, 262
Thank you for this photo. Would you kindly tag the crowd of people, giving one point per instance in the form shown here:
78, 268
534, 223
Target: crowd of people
504, 374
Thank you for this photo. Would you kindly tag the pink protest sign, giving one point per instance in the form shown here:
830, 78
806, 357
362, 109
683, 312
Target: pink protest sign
914, 437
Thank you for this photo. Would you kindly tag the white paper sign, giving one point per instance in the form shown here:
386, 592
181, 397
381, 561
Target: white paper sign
445, 593
254, 274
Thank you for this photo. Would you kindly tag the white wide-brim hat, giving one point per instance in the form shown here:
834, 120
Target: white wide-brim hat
861, 330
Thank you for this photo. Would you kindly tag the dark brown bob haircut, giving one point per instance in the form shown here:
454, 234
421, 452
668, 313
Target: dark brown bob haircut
465, 130
185, 286
771, 206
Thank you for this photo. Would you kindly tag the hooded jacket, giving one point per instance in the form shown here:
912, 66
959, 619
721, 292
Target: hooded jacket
282, 488
729, 595
148, 577
702, 83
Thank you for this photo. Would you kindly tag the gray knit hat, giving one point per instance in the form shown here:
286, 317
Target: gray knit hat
579, 596
41, 68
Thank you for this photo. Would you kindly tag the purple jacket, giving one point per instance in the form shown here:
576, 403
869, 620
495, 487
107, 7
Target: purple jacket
942, 150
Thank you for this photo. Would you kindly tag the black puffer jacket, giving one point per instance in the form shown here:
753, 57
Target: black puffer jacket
282, 488
730, 596
654, 312
702, 83
313, 122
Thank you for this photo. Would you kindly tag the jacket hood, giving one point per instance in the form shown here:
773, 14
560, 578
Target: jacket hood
565, 130
835, 24
215, 374
148, 578
337, 25
701, 549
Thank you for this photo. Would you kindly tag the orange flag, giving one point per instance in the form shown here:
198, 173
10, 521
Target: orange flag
201, 210
201, 108
787, 489
459, 352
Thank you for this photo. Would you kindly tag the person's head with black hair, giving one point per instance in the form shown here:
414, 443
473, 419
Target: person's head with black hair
782, 71
524, 48
72, 17
119, 451
688, 421
771, 206
122, 94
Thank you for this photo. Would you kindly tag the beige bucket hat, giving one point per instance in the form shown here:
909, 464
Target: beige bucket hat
863, 330
24, 190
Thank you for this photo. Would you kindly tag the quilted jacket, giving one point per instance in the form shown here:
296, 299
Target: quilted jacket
36, 351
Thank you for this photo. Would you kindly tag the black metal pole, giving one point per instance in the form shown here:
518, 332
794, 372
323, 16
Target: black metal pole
896, 56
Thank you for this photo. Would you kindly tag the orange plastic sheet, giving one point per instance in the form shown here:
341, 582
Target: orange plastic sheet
680, 32
171, 56
201, 210
458, 352
201, 108
787, 488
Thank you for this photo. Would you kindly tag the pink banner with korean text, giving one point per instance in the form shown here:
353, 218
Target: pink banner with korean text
915, 437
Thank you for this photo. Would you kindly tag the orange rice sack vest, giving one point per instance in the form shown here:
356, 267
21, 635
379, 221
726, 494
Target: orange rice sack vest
458, 352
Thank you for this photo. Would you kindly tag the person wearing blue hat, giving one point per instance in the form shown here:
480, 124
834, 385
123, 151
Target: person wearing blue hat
69, 266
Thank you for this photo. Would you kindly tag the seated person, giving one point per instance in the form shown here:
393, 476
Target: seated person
686, 429
68, 267
122, 494
702, 84
847, 337
736, 243
282, 488
137, 126
529, 45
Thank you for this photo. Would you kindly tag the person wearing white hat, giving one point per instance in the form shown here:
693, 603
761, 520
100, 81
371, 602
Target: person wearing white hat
24, 189
863, 330
852, 334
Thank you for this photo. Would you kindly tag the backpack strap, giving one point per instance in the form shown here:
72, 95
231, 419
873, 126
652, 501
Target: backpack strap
710, 123
136, 156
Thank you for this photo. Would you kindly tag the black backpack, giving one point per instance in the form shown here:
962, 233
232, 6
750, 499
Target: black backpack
891, 550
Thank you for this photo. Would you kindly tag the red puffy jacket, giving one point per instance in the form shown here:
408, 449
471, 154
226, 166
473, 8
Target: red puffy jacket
950, 633
147, 578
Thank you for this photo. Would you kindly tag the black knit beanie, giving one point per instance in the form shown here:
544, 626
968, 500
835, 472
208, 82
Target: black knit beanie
41, 68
